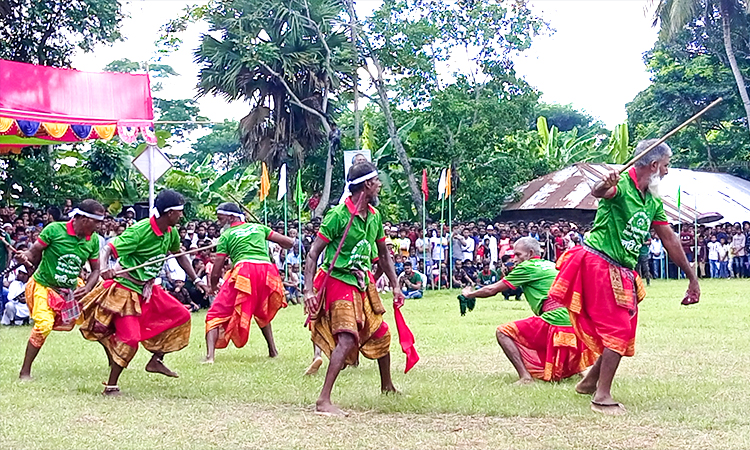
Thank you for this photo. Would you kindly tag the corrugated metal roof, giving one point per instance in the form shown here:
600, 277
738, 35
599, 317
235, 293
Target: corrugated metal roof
702, 192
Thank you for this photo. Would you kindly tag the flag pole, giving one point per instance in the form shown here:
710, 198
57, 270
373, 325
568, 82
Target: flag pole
286, 233
450, 240
442, 252
424, 236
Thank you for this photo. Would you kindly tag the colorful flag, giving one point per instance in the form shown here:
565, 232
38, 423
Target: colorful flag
299, 196
441, 185
265, 183
448, 183
282, 182
425, 191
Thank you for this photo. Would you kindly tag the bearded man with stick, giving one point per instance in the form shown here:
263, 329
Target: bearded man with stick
52, 294
347, 313
597, 281
128, 308
252, 288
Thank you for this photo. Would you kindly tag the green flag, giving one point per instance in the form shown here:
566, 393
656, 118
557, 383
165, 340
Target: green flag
299, 196
679, 192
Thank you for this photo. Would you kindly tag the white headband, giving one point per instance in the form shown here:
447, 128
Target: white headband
155, 212
231, 213
363, 178
78, 212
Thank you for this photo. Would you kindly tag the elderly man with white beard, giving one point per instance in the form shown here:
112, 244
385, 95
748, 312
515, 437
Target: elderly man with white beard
597, 282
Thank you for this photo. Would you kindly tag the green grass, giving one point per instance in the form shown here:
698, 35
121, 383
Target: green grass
686, 387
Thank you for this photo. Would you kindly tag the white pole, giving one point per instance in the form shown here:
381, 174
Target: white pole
150, 151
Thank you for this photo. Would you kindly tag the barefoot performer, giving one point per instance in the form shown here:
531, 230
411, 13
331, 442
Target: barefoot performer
128, 309
348, 315
53, 293
597, 281
253, 288
543, 346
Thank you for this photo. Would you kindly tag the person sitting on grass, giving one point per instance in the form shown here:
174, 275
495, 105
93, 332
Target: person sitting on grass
292, 285
470, 270
459, 277
543, 346
486, 276
410, 282
180, 292
16, 311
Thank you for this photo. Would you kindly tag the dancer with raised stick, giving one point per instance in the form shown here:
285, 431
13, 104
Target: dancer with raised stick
54, 291
252, 288
346, 311
127, 308
597, 281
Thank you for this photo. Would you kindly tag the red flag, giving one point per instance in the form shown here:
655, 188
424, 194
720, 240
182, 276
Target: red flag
406, 339
425, 191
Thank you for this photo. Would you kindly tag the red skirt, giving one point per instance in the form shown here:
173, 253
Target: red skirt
549, 352
251, 289
602, 299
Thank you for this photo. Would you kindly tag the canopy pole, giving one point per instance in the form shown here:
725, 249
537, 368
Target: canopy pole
150, 180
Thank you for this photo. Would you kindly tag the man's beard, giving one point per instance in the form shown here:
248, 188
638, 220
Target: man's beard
374, 201
653, 185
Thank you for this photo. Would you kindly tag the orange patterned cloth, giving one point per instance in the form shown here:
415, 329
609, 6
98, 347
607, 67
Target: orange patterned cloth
251, 289
120, 319
549, 352
346, 309
602, 299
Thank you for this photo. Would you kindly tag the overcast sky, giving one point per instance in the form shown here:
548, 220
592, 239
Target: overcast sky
593, 60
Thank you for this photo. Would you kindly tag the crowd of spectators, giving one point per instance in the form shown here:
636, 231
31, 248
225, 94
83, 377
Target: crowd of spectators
472, 253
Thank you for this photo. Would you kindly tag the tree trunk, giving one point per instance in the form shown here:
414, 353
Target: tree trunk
725, 24
416, 194
326, 195
355, 78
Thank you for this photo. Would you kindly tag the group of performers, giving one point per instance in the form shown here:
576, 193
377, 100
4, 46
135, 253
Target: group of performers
585, 308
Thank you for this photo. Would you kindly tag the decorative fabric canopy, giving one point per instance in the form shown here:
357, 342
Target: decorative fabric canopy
42, 105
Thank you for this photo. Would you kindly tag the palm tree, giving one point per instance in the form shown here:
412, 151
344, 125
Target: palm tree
675, 14
288, 59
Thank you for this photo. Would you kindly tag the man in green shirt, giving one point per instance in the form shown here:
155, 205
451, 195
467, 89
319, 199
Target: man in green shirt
597, 281
253, 287
349, 316
410, 282
52, 294
128, 308
543, 346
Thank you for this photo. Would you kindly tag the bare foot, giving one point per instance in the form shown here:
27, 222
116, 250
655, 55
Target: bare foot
524, 382
272, 352
157, 366
585, 387
25, 377
390, 389
207, 360
112, 391
326, 408
313, 369
609, 409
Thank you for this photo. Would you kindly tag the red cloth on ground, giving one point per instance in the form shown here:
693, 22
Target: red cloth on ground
252, 289
549, 352
602, 300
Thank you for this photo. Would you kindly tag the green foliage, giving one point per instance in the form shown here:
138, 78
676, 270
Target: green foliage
48, 32
222, 144
566, 117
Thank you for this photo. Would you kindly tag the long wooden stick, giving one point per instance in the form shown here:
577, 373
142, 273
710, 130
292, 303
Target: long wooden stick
12, 249
161, 260
669, 135
247, 210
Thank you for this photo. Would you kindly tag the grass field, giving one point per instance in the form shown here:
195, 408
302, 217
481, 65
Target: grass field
685, 388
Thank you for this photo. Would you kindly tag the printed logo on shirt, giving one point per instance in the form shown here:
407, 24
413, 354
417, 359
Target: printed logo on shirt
68, 268
636, 231
361, 255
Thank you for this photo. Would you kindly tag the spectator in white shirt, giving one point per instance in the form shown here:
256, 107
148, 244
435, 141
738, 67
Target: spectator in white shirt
16, 310
714, 248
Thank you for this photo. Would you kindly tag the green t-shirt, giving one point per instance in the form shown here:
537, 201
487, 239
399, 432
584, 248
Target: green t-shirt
4, 250
488, 279
623, 222
413, 279
245, 241
535, 276
359, 249
140, 243
64, 255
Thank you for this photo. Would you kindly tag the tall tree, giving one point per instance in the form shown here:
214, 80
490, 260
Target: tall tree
675, 14
48, 32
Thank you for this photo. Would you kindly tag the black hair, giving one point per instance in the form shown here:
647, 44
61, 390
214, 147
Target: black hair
407, 263
168, 198
229, 206
357, 171
196, 261
54, 211
91, 206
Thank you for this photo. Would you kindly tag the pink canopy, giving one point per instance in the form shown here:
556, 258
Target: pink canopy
65, 96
